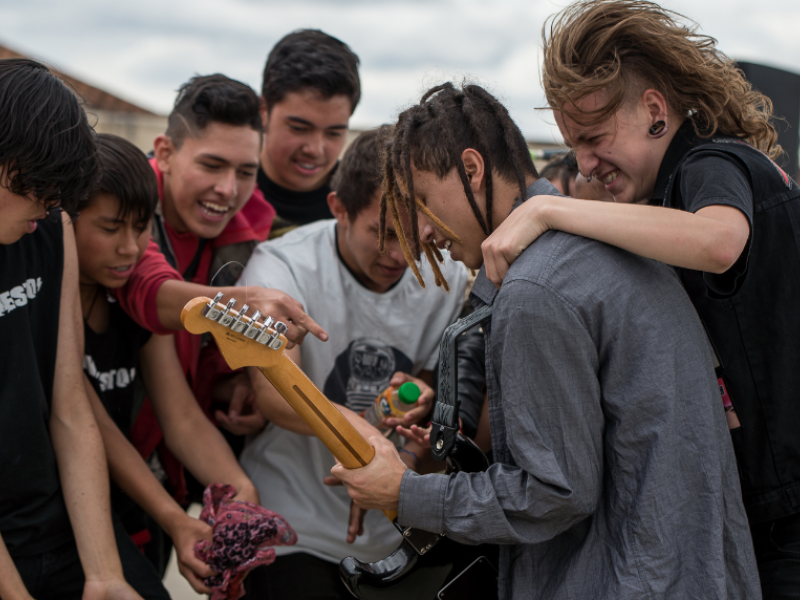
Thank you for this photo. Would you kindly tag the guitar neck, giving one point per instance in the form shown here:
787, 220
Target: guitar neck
244, 341
343, 440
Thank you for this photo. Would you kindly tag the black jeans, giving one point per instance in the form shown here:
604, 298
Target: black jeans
58, 575
297, 576
777, 546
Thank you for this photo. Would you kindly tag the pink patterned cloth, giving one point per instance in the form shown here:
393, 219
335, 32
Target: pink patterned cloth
242, 534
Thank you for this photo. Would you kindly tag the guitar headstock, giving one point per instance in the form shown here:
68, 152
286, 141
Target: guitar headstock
242, 340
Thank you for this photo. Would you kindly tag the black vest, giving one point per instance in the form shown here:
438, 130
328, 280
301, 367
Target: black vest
33, 517
756, 327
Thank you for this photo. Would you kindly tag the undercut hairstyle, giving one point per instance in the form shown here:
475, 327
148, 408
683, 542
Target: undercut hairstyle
47, 147
358, 176
127, 175
431, 136
628, 46
563, 168
311, 59
212, 99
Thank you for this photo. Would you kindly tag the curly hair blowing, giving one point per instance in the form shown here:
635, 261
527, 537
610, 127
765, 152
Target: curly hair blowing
619, 45
432, 135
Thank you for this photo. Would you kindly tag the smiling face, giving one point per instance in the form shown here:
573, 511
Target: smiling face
209, 179
19, 215
108, 246
303, 136
445, 197
618, 152
358, 245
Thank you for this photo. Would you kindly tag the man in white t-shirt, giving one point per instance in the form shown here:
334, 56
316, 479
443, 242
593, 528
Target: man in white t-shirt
384, 328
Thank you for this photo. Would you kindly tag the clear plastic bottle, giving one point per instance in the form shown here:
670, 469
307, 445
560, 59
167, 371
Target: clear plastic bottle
392, 402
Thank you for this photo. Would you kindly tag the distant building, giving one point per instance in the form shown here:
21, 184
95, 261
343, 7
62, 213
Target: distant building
109, 113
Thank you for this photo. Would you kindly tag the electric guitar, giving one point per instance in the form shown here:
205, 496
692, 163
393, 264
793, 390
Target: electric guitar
431, 566
414, 569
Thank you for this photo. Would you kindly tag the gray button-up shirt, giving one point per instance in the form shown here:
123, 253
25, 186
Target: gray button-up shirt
614, 476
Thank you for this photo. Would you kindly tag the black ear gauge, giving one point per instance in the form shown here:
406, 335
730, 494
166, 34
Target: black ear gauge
657, 129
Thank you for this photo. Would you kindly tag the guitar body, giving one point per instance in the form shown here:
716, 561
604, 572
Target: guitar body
446, 570
428, 566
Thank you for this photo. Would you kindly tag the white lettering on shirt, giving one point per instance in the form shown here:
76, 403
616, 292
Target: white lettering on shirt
19, 295
115, 378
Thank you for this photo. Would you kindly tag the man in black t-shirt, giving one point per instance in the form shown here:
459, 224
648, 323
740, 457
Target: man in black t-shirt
310, 89
56, 535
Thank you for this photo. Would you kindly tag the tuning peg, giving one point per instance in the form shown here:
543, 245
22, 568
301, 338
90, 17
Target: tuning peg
253, 328
226, 318
275, 341
265, 336
211, 311
238, 324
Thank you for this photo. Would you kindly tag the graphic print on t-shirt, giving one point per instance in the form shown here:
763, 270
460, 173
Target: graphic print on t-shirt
108, 380
19, 295
363, 371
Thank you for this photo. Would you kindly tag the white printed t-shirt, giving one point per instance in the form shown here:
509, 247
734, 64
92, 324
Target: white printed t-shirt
372, 336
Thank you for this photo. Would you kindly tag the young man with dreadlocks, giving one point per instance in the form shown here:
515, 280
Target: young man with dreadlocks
614, 476
384, 331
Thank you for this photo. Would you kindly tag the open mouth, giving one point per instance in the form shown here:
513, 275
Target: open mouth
214, 210
610, 177
307, 168
444, 245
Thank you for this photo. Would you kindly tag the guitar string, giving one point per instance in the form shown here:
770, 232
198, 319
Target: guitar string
231, 262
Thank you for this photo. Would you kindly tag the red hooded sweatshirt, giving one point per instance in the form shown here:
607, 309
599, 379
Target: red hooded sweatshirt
138, 298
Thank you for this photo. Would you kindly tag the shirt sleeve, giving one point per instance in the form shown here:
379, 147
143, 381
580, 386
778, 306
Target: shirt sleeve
269, 268
712, 178
138, 297
546, 365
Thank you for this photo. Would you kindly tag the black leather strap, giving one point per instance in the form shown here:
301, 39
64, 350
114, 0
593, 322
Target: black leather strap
444, 425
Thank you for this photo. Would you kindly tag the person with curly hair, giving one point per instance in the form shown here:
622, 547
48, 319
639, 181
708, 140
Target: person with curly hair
666, 121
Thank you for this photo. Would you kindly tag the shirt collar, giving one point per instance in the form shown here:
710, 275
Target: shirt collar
484, 290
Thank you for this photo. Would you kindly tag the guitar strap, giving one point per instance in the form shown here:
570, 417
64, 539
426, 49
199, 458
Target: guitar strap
161, 238
444, 425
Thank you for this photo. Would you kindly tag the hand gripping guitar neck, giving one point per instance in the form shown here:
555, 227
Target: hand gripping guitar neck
244, 342
428, 566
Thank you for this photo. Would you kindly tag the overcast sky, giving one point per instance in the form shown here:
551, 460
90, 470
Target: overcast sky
142, 51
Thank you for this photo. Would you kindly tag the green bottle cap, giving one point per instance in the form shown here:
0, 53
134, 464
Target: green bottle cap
408, 392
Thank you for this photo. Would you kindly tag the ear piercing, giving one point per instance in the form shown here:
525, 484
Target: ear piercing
658, 129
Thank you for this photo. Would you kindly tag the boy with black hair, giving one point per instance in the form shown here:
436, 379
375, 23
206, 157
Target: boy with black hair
210, 213
56, 533
310, 89
111, 236
384, 330
614, 475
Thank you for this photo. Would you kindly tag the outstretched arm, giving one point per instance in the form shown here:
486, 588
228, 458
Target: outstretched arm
174, 294
79, 448
188, 433
710, 240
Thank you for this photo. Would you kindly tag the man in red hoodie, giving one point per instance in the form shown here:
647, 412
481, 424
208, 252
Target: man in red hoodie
210, 213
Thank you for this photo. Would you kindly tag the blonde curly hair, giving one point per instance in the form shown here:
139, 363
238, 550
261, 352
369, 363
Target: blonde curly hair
623, 45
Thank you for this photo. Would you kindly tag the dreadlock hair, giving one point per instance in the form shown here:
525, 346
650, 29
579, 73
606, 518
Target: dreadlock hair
431, 136
47, 147
627, 46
